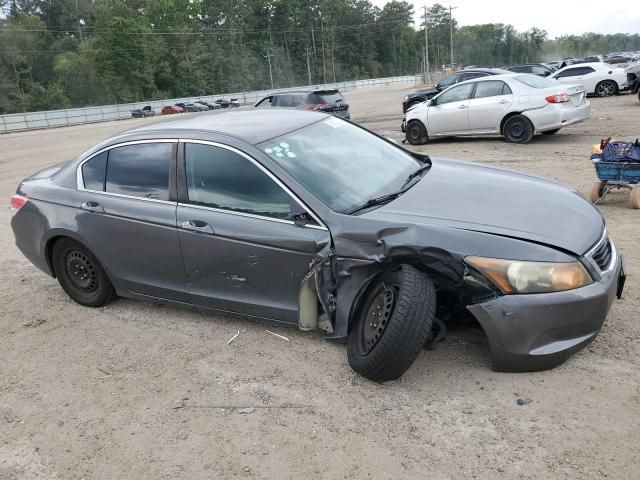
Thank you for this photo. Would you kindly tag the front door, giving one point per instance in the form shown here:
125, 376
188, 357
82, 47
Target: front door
491, 101
242, 250
448, 116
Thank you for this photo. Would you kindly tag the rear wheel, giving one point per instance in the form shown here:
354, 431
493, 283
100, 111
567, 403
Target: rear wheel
634, 197
416, 133
606, 88
80, 274
517, 129
596, 192
392, 325
551, 132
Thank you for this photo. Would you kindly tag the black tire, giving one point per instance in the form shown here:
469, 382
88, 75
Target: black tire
80, 274
551, 132
416, 133
517, 129
606, 88
402, 303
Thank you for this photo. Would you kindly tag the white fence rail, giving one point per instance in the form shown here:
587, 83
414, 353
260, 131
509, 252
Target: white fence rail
76, 116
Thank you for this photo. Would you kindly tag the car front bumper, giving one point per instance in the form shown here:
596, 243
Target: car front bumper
540, 331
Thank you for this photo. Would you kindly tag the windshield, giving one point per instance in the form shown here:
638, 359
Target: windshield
535, 81
341, 164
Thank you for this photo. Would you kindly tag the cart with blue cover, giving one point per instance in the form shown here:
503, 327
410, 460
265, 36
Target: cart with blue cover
618, 168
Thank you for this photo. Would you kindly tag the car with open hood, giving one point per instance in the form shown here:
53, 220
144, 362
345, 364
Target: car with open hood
305, 219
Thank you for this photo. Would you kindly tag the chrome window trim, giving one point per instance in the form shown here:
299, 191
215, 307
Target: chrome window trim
320, 226
614, 253
80, 179
248, 215
133, 197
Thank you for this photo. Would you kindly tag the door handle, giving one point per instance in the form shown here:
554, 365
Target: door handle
462, 106
503, 101
197, 226
94, 207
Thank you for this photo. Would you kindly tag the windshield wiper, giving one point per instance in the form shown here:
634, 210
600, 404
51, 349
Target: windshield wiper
372, 202
415, 174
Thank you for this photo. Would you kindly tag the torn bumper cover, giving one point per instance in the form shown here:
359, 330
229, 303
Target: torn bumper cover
539, 331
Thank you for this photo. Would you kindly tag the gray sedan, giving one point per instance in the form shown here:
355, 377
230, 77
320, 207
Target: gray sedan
301, 218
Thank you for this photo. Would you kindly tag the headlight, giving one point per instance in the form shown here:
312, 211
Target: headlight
514, 276
406, 97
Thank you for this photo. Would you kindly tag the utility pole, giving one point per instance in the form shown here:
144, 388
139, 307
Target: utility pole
324, 65
451, 30
268, 57
426, 48
308, 64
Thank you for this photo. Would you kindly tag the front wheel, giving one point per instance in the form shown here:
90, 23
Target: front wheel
416, 133
80, 274
606, 88
392, 325
634, 197
517, 129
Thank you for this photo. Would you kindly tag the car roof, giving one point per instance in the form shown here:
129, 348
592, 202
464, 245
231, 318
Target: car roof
252, 126
483, 70
595, 65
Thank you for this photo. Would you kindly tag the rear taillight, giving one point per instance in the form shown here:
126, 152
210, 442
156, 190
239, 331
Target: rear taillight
317, 106
17, 202
560, 98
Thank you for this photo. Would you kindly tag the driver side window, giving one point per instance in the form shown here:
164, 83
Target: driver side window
455, 94
223, 179
448, 81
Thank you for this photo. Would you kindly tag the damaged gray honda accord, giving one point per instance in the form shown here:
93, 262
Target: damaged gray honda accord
303, 218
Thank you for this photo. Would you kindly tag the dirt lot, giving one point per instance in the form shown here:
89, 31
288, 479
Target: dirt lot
136, 391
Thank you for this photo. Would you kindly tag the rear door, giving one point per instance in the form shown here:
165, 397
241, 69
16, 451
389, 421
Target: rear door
449, 114
128, 217
492, 99
242, 250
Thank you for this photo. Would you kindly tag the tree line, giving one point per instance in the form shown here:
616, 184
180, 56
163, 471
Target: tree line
64, 53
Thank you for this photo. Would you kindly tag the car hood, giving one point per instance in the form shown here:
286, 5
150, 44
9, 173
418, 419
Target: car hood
429, 92
486, 199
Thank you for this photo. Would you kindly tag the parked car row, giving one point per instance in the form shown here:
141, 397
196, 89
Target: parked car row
181, 107
482, 101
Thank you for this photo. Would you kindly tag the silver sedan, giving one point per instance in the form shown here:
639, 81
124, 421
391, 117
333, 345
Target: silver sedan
515, 106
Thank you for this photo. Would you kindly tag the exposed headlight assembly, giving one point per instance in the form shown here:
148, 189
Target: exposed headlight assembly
406, 97
515, 276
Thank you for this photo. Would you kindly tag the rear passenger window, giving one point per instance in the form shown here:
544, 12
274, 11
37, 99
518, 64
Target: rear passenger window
285, 100
140, 170
93, 172
491, 88
220, 178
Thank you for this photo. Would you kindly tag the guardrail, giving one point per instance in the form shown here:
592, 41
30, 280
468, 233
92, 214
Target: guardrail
16, 122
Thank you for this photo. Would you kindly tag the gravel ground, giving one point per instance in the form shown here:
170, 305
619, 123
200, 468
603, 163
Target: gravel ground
136, 391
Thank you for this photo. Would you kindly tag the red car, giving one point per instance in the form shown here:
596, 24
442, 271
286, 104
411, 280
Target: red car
169, 109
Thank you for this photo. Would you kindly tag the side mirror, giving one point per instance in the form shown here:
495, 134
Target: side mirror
432, 102
301, 219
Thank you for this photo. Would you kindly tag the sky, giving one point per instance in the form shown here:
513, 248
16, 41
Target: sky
557, 17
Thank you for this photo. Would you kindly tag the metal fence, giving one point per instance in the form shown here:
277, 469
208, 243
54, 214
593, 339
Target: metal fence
76, 116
